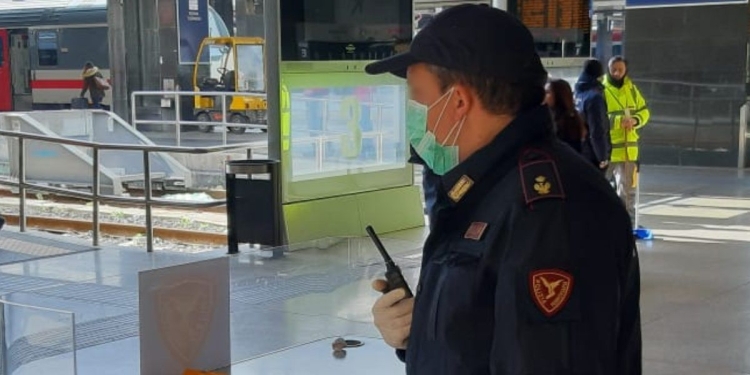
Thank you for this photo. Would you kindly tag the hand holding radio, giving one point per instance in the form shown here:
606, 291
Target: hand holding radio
392, 312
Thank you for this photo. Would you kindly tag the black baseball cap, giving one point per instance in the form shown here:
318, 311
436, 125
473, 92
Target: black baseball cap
474, 39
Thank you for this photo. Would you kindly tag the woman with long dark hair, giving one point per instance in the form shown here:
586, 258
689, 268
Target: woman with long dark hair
568, 123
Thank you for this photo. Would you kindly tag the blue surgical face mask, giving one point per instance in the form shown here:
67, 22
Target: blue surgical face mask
440, 158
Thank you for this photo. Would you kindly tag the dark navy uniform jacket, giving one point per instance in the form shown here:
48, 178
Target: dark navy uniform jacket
590, 103
530, 267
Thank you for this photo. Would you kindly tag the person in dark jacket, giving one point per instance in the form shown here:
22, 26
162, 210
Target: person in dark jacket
530, 266
90, 74
569, 126
592, 106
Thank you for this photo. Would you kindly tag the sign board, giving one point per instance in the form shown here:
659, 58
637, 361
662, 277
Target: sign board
677, 3
184, 317
555, 14
192, 28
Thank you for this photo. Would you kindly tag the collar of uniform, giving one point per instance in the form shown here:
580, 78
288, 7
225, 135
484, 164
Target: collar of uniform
625, 82
525, 128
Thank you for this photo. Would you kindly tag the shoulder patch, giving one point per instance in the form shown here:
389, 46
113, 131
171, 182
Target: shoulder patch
539, 176
460, 189
550, 290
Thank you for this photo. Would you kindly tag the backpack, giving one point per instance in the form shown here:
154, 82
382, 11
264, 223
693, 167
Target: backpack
101, 83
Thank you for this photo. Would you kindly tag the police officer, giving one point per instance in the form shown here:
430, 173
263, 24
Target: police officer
531, 266
628, 113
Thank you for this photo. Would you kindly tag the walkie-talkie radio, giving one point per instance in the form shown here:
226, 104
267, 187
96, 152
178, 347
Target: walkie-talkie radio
392, 273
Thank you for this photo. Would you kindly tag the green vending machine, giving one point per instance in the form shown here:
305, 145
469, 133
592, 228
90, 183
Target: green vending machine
339, 132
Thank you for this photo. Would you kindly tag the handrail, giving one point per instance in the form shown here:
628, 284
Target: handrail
130, 147
178, 122
685, 83
94, 196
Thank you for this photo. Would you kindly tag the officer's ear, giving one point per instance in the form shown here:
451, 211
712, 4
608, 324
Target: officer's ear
463, 100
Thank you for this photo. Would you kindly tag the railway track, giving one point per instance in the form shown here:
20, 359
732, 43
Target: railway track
67, 225
57, 225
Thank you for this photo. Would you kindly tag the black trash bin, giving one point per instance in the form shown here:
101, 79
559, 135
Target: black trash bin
254, 213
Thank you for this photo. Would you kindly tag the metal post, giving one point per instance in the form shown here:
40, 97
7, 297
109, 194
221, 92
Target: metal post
271, 23
3, 343
22, 184
380, 117
379, 139
320, 146
742, 146
637, 195
74, 343
133, 118
147, 193
178, 114
95, 198
224, 119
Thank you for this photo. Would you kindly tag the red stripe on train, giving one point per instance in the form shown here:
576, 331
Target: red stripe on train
70, 84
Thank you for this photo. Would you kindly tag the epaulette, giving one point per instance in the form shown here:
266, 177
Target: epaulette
539, 176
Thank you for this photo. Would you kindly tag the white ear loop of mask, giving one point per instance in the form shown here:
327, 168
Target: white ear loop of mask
449, 93
459, 125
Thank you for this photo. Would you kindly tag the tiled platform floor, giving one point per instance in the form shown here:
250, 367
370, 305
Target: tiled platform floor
695, 283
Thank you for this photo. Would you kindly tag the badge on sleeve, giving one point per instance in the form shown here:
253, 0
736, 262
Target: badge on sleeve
539, 176
550, 290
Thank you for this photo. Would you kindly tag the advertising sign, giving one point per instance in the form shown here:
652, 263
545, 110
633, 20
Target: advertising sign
192, 27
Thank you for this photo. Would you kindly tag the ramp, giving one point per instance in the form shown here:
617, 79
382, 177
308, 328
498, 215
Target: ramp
20, 247
72, 166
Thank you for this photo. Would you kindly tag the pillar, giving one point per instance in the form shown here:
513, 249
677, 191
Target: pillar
226, 11
117, 58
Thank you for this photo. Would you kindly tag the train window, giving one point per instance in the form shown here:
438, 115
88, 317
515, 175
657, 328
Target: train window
47, 46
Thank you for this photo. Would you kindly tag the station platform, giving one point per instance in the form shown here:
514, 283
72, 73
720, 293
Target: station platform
695, 289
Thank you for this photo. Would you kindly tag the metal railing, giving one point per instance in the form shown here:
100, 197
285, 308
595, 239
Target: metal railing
320, 142
696, 108
94, 196
178, 122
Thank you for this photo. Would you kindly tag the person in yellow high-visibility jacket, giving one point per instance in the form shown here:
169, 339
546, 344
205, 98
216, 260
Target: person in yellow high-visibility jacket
628, 112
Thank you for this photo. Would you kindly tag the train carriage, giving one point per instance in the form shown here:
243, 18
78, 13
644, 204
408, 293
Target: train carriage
44, 46
43, 51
